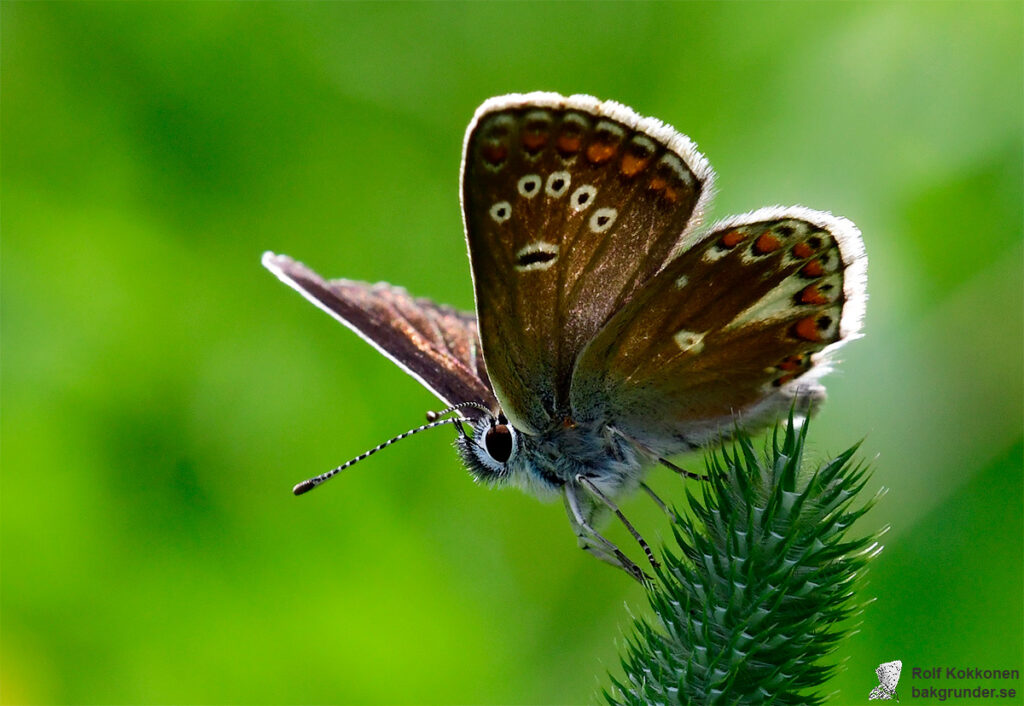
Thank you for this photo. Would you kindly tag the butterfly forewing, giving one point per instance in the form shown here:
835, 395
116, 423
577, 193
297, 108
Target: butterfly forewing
570, 205
435, 344
738, 323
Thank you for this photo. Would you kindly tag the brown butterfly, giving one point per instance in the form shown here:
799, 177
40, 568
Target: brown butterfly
610, 331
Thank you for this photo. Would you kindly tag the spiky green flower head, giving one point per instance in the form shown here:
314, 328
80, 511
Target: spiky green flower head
760, 586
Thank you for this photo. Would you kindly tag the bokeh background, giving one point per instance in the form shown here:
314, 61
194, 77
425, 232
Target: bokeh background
162, 392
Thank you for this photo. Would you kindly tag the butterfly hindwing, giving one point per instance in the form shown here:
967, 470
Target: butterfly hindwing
437, 345
736, 325
570, 206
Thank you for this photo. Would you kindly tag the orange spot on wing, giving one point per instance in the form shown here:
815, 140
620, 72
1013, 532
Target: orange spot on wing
803, 250
733, 238
807, 329
534, 141
568, 144
633, 165
600, 152
793, 362
494, 152
784, 379
659, 183
767, 243
813, 269
811, 295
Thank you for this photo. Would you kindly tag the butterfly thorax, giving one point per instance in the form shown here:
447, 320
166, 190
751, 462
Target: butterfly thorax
592, 450
543, 463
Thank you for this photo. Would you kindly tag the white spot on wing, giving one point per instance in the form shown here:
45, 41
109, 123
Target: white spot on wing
713, 253
688, 341
833, 328
676, 165
603, 219
501, 211
608, 126
558, 184
643, 142
682, 281
529, 186
577, 119
583, 197
776, 304
533, 249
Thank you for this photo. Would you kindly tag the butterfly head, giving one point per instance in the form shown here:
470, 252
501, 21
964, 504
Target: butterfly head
490, 451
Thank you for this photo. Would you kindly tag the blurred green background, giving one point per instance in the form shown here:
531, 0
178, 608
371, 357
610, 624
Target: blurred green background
162, 392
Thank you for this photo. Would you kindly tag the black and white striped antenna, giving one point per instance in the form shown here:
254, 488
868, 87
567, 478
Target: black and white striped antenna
434, 421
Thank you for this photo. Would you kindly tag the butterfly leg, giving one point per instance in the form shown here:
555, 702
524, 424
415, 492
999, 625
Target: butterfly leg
616, 559
589, 485
667, 464
599, 552
591, 541
681, 471
656, 499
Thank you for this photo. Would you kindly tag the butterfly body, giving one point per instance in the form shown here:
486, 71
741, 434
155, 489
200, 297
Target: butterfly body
611, 331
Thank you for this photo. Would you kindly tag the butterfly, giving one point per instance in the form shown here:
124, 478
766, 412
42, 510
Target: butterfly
611, 331
888, 674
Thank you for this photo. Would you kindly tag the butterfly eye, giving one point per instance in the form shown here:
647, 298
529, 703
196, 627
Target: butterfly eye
498, 442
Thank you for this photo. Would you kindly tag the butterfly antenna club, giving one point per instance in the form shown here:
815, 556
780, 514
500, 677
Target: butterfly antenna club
310, 483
